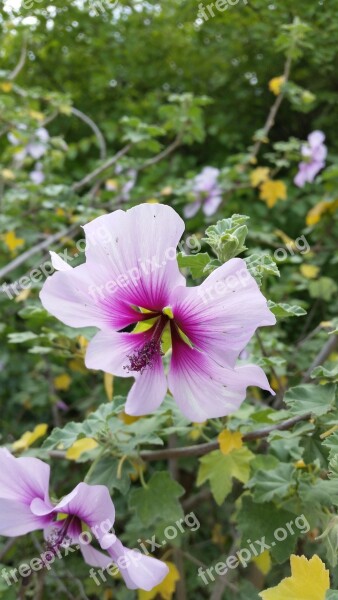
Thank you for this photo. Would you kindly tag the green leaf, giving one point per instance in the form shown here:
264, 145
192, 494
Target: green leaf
21, 337
331, 595
286, 310
322, 372
273, 484
317, 399
227, 237
258, 520
158, 501
220, 469
104, 472
261, 265
196, 263
324, 288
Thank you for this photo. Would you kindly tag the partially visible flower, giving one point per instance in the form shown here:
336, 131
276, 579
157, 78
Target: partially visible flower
275, 85
25, 506
128, 186
314, 154
37, 175
207, 192
271, 191
36, 147
131, 278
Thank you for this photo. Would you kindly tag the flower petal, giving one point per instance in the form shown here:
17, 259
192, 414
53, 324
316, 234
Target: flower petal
138, 248
92, 504
16, 518
148, 391
108, 351
221, 315
21, 481
137, 570
203, 389
95, 558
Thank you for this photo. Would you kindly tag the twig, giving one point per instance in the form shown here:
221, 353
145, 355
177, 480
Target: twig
109, 163
35, 249
201, 449
8, 545
325, 352
270, 121
19, 260
21, 62
163, 154
99, 136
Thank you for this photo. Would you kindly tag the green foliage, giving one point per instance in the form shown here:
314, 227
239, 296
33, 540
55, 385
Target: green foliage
220, 469
158, 500
174, 95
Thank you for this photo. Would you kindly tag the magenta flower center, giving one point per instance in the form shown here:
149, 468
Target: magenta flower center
146, 355
59, 537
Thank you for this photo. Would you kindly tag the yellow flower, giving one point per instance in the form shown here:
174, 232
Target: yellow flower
6, 86
263, 562
35, 114
167, 191
166, 589
23, 295
275, 84
79, 447
128, 419
108, 380
309, 581
217, 536
285, 238
272, 191
12, 242
229, 441
8, 174
315, 214
62, 382
196, 431
259, 175
28, 438
309, 271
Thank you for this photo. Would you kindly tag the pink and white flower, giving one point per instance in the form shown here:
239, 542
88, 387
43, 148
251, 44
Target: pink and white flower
207, 192
131, 289
314, 154
25, 506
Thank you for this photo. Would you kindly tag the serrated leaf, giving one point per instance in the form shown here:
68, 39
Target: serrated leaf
283, 310
273, 484
256, 520
317, 399
220, 469
196, 263
158, 501
261, 265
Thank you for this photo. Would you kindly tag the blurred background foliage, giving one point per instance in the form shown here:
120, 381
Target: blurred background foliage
175, 94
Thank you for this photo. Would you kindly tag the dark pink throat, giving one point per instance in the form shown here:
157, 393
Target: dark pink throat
146, 356
59, 537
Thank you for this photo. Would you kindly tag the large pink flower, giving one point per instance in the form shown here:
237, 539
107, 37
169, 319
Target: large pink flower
131, 289
25, 506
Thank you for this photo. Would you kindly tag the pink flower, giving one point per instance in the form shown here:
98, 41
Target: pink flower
25, 506
37, 145
207, 191
131, 278
37, 175
314, 154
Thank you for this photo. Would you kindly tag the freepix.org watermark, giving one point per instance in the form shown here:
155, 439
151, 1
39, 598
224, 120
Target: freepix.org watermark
48, 557
245, 555
205, 11
146, 265
146, 546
